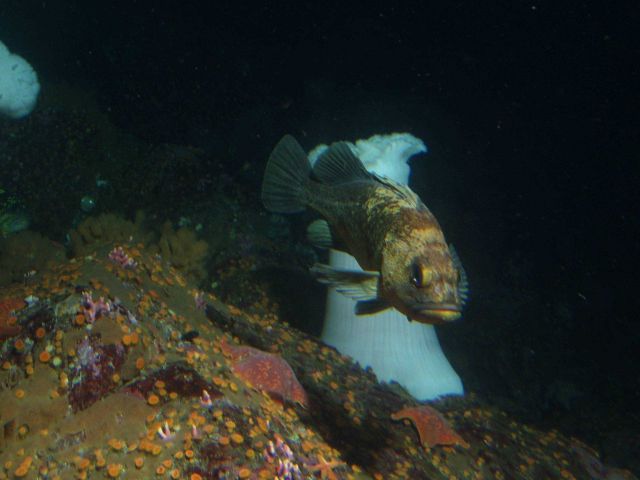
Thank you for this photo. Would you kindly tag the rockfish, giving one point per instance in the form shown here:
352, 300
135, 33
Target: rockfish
394, 237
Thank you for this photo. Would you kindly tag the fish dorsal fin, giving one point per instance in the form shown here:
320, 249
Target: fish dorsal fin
403, 191
340, 165
463, 282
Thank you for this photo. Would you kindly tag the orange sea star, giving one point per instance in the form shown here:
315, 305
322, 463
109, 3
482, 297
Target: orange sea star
266, 371
433, 428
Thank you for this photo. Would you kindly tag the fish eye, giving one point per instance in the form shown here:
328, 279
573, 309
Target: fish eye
417, 275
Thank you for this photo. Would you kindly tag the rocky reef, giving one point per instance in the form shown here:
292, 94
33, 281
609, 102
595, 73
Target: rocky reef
114, 365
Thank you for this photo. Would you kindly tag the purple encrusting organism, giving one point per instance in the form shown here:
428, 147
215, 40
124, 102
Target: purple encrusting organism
93, 310
122, 258
91, 377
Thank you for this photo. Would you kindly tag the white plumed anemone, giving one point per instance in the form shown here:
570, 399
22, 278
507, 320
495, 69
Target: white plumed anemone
19, 85
396, 350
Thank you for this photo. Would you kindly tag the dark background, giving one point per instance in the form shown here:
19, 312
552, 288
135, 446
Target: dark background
529, 109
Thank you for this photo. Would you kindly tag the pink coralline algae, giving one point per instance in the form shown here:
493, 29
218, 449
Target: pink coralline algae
267, 372
122, 258
94, 309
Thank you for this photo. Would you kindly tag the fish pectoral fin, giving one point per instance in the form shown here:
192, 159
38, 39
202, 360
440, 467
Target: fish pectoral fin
369, 307
319, 234
358, 285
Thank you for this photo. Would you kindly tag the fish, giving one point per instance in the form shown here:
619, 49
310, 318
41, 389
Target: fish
399, 244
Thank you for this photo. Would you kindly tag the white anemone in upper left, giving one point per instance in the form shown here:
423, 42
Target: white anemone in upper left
19, 85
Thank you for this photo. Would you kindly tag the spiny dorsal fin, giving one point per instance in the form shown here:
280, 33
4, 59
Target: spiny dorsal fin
340, 165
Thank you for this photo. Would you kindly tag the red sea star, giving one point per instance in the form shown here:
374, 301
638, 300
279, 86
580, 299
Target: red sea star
266, 371
432, 427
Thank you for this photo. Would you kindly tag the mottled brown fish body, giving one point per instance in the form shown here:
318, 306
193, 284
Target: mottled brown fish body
370, 218
384, 225
342, 207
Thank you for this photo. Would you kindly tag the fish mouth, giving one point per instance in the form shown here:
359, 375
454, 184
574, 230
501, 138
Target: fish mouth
437, 312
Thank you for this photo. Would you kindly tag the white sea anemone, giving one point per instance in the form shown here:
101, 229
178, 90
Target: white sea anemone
19, 85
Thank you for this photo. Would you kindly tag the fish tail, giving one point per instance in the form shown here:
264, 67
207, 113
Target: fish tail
286, 177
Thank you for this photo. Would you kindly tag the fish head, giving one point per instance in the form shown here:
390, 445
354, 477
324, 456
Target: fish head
425, 284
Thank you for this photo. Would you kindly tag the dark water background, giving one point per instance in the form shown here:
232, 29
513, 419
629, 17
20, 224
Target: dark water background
530, 111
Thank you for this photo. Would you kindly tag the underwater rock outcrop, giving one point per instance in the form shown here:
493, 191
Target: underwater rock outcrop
25, 254
180, 248
183, 250
106, 229
124, 370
